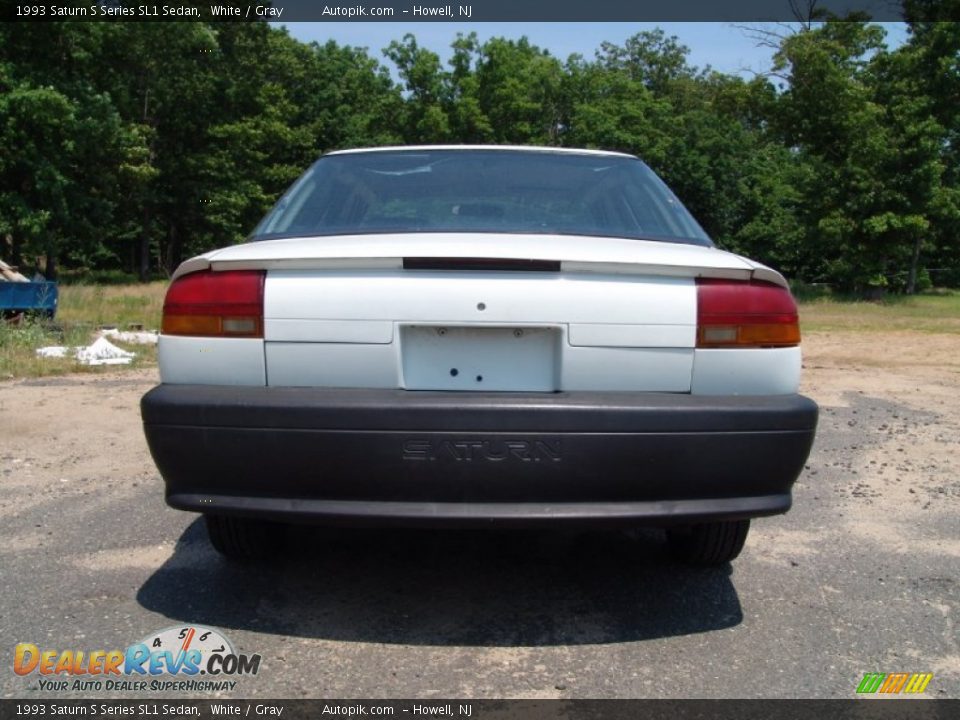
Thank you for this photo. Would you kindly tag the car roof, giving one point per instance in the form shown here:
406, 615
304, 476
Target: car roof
511, 148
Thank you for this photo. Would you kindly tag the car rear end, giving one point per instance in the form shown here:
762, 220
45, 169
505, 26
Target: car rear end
462, 376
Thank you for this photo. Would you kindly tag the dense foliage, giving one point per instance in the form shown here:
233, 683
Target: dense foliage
129, 147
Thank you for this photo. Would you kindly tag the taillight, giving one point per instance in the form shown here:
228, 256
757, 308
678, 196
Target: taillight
215, 304
732, 314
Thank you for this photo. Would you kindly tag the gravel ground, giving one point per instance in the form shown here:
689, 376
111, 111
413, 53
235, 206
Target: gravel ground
862, 575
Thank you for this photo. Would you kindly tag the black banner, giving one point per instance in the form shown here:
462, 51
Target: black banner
872, 709
461, 11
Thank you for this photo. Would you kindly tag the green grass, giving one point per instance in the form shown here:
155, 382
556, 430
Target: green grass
932, 312
117, 305
83, 309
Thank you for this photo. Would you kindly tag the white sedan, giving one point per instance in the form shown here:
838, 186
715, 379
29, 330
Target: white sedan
492, 336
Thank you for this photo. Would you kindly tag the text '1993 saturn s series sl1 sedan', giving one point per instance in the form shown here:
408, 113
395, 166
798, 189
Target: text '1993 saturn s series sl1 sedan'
479, 336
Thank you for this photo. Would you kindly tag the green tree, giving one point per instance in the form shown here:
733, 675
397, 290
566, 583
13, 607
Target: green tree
519, 92
58, 186
424, 118
854, 113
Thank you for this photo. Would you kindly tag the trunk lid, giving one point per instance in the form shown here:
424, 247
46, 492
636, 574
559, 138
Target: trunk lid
575, 253
481, 312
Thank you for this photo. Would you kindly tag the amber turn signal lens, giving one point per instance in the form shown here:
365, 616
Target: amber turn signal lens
763, 335
211, 326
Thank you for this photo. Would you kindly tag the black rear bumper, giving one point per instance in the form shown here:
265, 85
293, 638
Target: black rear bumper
397, 457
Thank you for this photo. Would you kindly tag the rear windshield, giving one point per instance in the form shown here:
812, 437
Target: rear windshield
497, 191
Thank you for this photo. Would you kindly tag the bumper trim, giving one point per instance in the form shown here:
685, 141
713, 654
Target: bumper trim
414, 514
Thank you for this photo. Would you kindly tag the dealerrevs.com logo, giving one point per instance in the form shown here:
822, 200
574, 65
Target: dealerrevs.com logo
178, 658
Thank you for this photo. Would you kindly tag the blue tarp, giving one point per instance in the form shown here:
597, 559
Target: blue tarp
29, 297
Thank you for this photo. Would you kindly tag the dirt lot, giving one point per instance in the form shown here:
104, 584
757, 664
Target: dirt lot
860, 576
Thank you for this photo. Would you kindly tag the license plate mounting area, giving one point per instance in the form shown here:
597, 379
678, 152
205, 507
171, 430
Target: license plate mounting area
480, 359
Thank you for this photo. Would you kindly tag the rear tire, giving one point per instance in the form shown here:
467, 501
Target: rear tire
243, 539
713, 543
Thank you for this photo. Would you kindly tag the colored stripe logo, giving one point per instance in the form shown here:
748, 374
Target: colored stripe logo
893, 683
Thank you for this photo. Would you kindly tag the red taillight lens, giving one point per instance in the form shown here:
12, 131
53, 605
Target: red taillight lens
215, 304
732, 314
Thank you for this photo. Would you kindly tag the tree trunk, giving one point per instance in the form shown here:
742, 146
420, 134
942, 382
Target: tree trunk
174, 249
16, 256
50, 271
144, 272
914, 261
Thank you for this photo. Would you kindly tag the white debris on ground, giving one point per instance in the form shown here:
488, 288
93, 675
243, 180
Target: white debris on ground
131, 337
101, 352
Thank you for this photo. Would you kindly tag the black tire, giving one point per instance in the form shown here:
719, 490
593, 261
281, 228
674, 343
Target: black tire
243, 539
713, 543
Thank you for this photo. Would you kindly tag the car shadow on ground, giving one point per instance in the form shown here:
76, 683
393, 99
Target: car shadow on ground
444, 587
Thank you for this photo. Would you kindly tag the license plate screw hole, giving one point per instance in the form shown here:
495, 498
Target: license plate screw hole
441, 331
481, 306
479, 378
518, 333
454, 372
